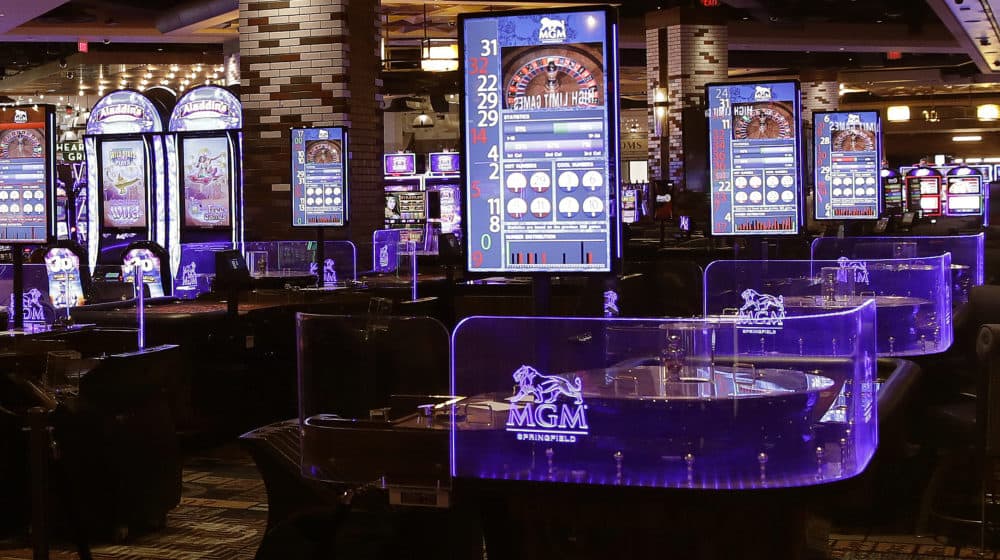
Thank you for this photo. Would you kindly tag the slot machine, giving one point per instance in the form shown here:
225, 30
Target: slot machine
442, 181
964, 192
405, 198
126, 182
205, 147
893, 193
923, 191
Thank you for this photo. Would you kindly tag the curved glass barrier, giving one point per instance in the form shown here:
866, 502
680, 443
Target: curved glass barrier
196, 269
967, 251
725, 403
373, 402
912, 296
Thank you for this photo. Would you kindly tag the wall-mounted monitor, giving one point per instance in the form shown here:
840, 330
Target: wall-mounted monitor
399, 164
540, 116
319, 177
848, 159
755, 158
27, 174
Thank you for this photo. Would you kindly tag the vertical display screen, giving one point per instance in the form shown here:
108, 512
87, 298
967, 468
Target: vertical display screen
925, 195
206, 182
754, 158
399, 164
848, 150
26, 143
123, 184
965, 195
892, 193
62, 267
149, 268
539, 110
319, 176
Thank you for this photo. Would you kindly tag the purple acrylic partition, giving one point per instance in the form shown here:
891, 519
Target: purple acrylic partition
197, 268
373, 402
912, 296
385, 249
967, 266
38, 303
727, 403
341, 258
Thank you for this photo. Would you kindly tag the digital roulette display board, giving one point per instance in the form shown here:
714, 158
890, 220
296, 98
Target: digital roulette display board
540, 113
755, 158
319, 177
848, 160
27, 171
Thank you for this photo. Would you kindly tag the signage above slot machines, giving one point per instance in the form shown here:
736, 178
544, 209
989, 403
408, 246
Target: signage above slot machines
124, 112
540, 116
319, 177
893, 195
443, 163
399, 165
964, 192
207, 108
27, 173
848, 152
754, 158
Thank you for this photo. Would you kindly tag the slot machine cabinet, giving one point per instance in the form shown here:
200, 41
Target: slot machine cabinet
893, 193
443, 178
127, 192
923, 191
964, 193
405, 198
205, 147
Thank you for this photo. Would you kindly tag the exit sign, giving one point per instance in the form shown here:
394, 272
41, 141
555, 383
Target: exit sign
82, 46
710, 3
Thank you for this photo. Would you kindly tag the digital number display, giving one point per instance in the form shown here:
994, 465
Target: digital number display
27, 165
754, 158
123, 184
540, 106
848, 152
319, 176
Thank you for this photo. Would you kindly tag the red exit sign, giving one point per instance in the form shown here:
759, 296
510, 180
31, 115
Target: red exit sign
710, 3
82, 46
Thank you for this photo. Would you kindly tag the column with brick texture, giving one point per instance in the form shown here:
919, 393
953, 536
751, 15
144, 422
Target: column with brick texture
820, 92
310, 63
686, 49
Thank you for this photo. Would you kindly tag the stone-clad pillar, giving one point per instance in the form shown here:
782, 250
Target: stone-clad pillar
686, 48
310, 63
820, 92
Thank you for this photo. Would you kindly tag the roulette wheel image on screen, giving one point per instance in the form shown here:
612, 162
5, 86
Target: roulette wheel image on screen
765, 121
323, 151
853, 140
22, 144
553, 77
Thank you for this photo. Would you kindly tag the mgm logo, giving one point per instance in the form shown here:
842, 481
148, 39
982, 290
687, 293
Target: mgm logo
547, 408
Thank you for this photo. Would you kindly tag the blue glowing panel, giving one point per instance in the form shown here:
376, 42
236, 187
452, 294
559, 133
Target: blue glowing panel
443, 163
399, 164
124, 112
27, 174
149, 267
540, 106
207, 108
754, 158
848, 149
319, 176
62, 268
123, 184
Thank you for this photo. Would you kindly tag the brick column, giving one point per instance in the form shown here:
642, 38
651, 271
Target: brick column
686, 48
310, 63
820, 92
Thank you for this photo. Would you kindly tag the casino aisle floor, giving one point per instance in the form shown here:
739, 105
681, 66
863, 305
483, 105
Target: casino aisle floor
223, 514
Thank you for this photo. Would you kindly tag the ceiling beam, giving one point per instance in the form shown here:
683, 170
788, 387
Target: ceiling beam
841, 37
974, 25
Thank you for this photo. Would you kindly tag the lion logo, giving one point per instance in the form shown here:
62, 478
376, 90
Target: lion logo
545, 388
860, 269
188, 275
761, 309
20, 116
762, 93
383, 257
552, 29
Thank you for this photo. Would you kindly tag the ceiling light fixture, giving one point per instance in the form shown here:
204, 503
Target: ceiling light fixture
988, 112
898, 113
968, 138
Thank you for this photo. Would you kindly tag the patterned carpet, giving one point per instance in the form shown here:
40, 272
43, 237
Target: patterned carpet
224, 510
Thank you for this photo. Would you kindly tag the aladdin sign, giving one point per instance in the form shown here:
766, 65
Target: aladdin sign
547, 408
216, 107
110, 112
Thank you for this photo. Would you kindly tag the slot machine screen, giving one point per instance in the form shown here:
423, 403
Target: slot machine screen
399, 164
444, 163
206, 181
893, 201
319, 177
965, 195
27, 166
847, 166
754, 158
405, 207
540, 111
124, 173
